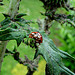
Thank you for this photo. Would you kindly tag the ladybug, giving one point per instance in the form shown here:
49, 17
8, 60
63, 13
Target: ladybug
37, 36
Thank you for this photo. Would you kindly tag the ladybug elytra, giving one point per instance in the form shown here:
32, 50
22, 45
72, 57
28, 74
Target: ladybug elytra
37, 36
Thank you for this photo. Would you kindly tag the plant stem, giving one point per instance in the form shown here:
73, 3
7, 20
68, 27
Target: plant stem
13, 8
30, 72
2, 51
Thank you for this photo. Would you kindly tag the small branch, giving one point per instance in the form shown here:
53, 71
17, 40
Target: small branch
40, 24
70, 22
30, 72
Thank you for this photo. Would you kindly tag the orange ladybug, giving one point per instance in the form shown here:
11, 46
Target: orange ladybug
37, 36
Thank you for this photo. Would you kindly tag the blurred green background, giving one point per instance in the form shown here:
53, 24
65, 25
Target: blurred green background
63, 37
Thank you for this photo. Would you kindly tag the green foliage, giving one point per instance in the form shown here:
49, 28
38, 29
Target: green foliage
20, 15
12, 31
18, 29
67, 38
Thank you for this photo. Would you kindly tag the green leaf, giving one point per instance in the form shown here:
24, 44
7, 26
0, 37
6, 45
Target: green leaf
5, 21
19, 40
12, 34
62, 53
70, 17
20, 15
5, 15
